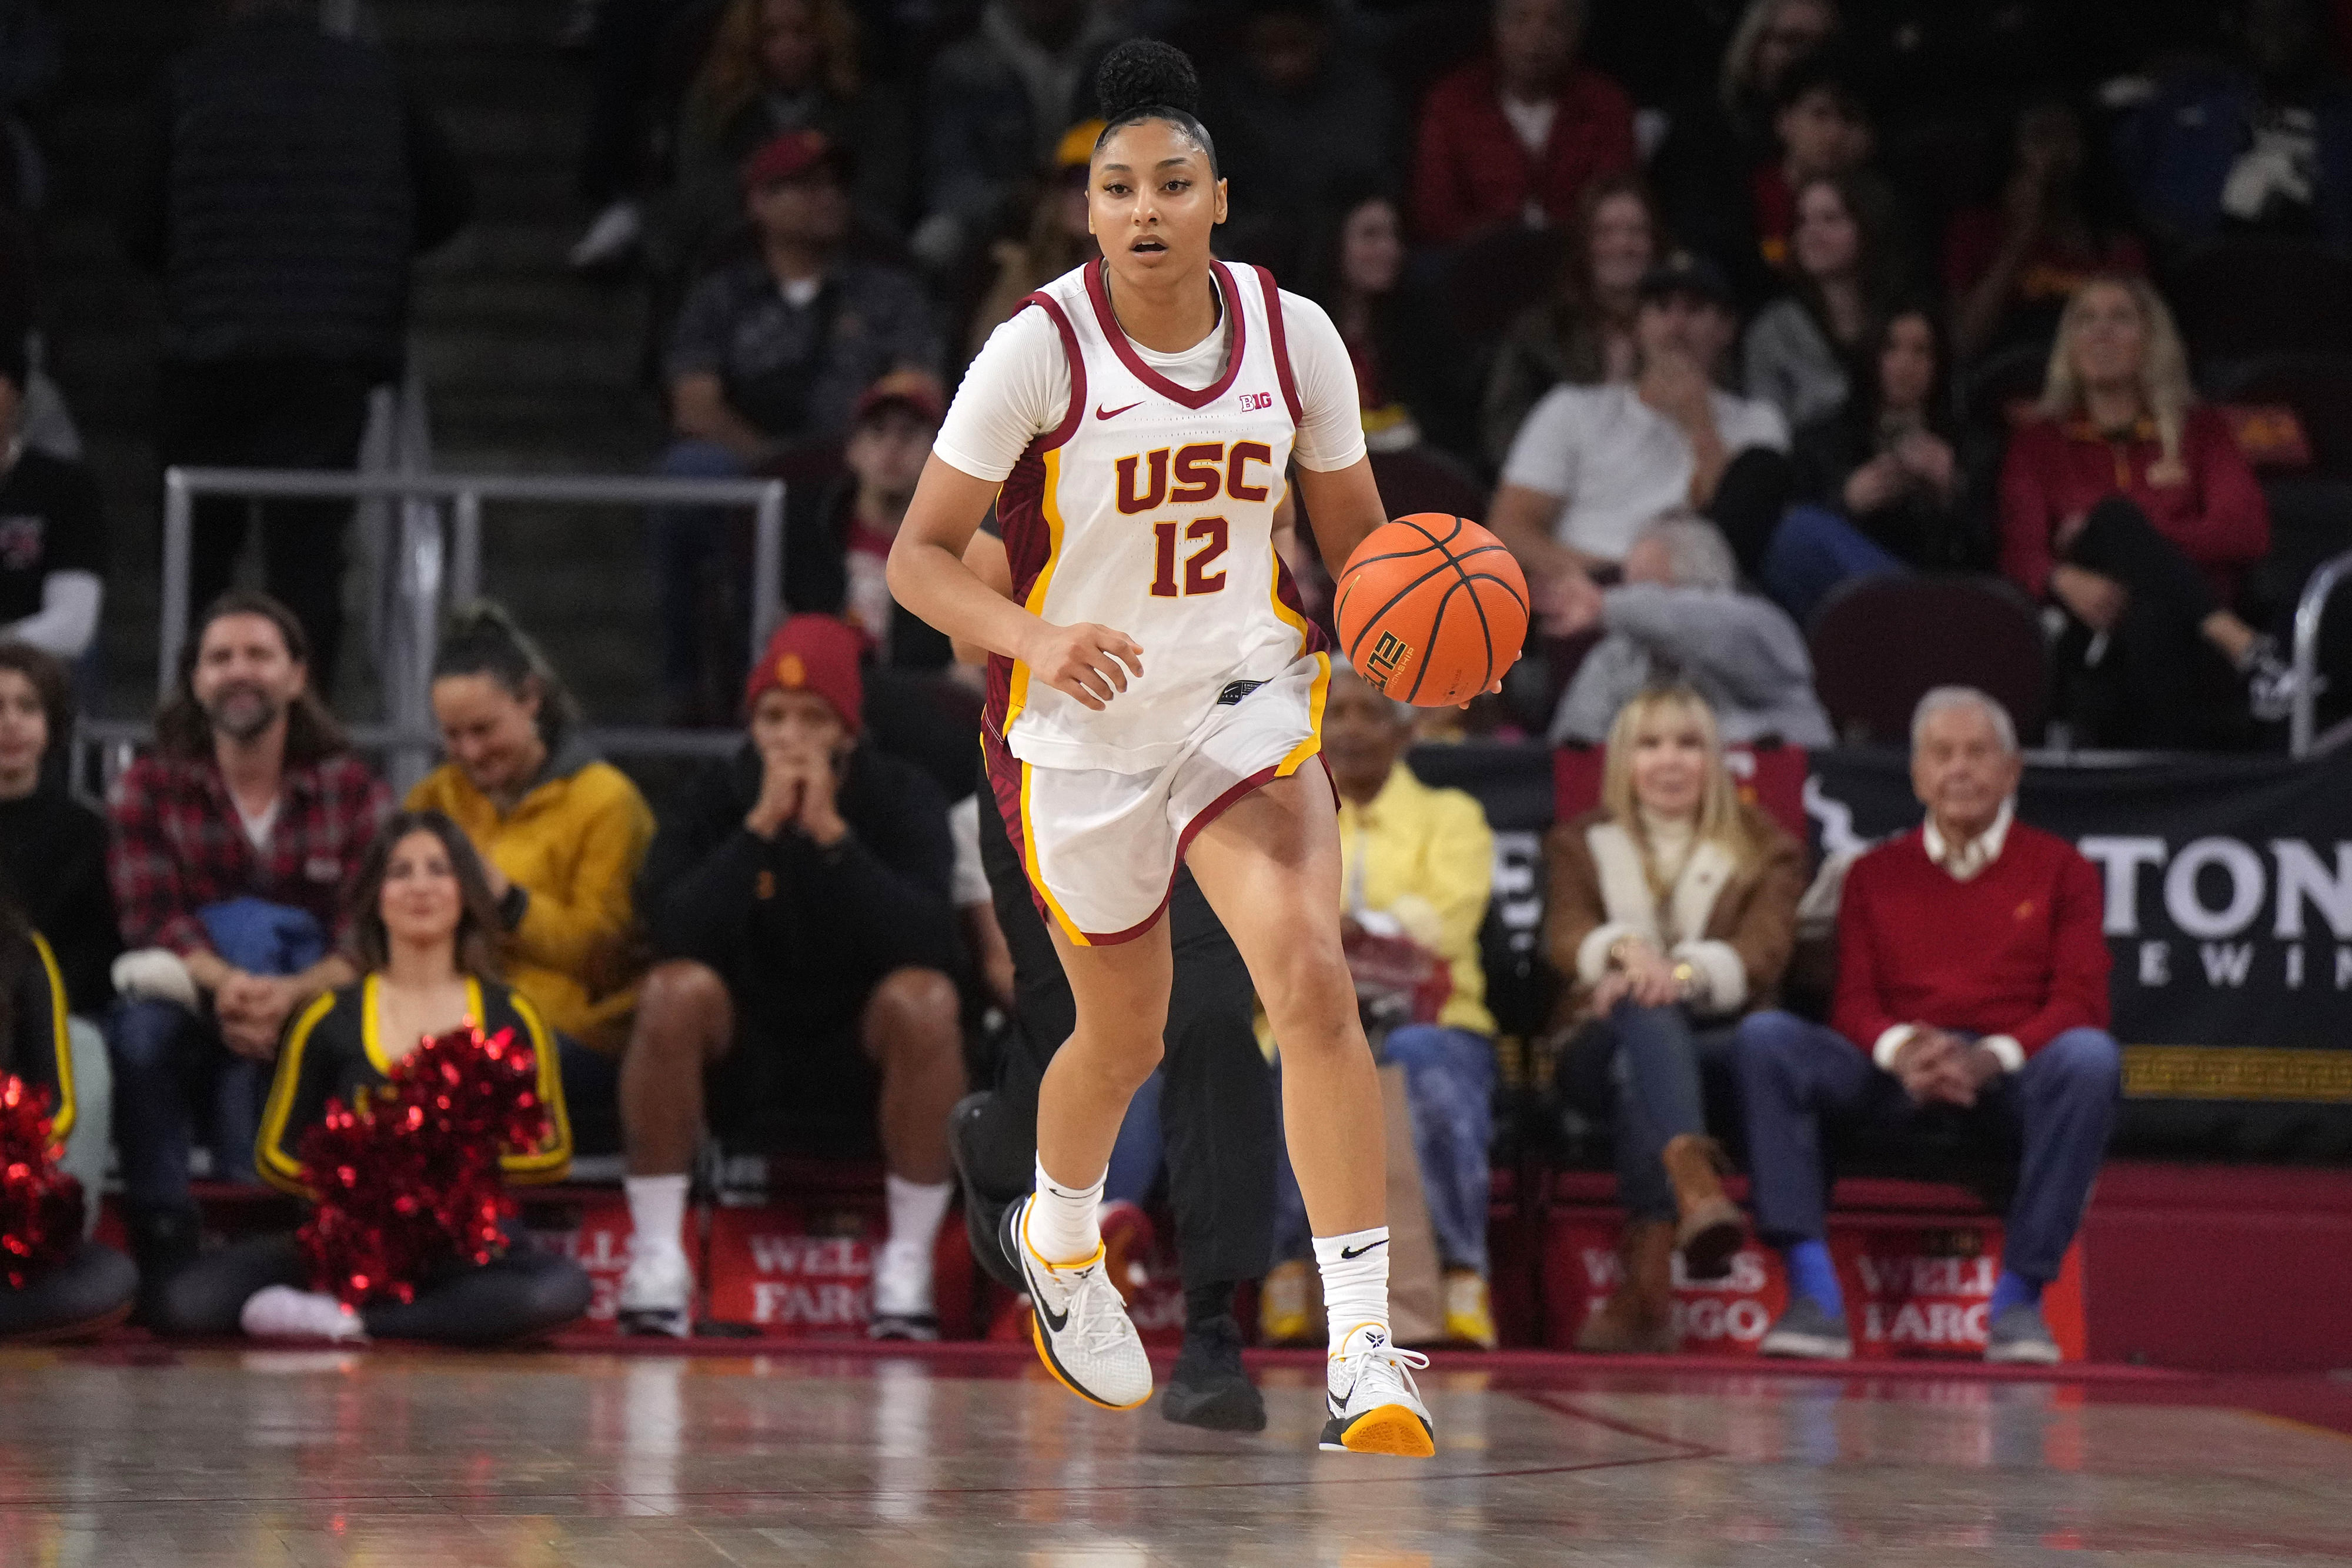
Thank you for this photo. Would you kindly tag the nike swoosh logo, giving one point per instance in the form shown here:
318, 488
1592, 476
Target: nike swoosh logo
1102, 412
1054, 1321
1352, 1253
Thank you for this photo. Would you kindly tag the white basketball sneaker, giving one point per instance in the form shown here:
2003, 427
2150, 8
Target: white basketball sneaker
1374, 1406
657, 1293
1083, 1334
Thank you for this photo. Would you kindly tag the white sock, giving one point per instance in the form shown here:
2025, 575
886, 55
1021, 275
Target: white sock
1355, 1269
1061, 1226
656, 1212
902, 1271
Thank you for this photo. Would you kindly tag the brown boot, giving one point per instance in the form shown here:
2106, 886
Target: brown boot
1709, 1230
1638, 1319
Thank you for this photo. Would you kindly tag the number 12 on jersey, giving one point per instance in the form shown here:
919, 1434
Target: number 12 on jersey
1208, 535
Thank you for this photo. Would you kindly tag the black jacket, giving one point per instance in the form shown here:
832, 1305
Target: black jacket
802, 934
288, 180
53, 857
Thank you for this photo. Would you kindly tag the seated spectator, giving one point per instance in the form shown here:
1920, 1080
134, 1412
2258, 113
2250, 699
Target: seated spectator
839, 540
1678, 615
1673, 912
1592, 465
777, 67
1583, 335
2131, 508
2010, 266
770, 353
1418, 865
53, 861
1890, 463
799, 902
233, 843
424, 923
91, 1287
1842, 278
560, 834
1515, 136
1357, 272
994, 104
2263, 143
1713, 143
1056, 237
1302, 124
1971, 1006
1822, 129
52, 537
289, 180
641, 54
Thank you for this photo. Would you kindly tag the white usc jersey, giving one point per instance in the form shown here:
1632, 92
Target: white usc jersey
1149, 509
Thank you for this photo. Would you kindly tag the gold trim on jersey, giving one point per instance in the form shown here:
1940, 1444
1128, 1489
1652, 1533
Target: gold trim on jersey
1036, 877
1049, 505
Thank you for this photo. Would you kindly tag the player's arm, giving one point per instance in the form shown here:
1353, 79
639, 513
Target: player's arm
986, 557
927, 575
1343, 507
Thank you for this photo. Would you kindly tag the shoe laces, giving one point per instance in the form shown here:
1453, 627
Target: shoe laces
1388, 1360
1095, 1308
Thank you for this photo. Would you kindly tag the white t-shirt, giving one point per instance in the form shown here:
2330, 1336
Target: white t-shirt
1019, 388
1616, 463
971, 881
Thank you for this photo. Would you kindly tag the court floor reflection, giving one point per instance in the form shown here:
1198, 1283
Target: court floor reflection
416, 1460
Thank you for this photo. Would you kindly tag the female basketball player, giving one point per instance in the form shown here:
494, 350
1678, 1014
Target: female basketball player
1155, 694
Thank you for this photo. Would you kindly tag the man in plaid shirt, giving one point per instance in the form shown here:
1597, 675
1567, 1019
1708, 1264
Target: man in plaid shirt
251, 794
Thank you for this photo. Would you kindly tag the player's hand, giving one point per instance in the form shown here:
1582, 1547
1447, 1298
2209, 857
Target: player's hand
1090, 663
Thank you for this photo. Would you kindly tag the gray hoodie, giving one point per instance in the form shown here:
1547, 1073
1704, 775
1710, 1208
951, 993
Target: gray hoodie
1743, 654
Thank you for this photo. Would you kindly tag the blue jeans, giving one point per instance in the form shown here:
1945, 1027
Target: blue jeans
166, 1061
1660, 1097
1813, 552
2055, 1113
687, 541
1449, 1088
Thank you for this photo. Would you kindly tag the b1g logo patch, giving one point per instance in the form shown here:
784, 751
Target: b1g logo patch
1254, 401
1391, 651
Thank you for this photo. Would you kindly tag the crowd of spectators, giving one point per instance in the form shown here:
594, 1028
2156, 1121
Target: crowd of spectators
1720, 309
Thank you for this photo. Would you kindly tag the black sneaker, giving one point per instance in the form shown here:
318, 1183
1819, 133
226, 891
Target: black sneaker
983, 1216
1209, 1389
163, 1242
2019, 1337
1807, 1333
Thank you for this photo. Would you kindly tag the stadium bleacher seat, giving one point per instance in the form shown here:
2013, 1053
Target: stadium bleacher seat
1881, 643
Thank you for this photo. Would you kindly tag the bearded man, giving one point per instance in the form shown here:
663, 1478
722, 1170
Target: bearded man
231, 846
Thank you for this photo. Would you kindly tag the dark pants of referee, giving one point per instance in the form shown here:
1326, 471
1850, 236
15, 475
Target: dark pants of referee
1218, 1111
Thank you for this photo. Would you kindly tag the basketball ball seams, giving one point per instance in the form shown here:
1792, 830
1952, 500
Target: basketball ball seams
1410, 599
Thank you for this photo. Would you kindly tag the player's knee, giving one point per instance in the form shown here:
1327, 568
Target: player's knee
1311, 1006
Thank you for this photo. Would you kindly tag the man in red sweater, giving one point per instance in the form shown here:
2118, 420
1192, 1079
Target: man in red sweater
1516, 135
1971, 1000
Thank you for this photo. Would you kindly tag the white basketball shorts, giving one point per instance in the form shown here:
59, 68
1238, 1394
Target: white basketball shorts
1101, 848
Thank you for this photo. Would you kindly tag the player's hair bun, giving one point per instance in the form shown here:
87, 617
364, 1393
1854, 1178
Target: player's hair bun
1144, 73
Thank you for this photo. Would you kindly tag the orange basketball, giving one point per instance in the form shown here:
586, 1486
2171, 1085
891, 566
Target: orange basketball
1432, 609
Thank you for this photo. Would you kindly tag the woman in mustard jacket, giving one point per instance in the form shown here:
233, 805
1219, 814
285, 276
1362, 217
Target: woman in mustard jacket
561, 834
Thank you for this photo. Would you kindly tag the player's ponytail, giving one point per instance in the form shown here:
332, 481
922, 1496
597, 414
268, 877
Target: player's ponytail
1145, 80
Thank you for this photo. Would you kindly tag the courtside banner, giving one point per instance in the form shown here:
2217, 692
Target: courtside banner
2228, 891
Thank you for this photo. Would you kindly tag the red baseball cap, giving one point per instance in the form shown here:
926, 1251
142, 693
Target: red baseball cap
789, 156
811, 654
917, 389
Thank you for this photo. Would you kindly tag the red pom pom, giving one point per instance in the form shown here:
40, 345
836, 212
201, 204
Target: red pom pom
407, 1182
40, 1206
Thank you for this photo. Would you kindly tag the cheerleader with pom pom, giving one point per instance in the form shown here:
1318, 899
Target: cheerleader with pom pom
53, 1284
425, 925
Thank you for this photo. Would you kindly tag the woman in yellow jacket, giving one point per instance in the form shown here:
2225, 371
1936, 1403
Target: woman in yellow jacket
560, 834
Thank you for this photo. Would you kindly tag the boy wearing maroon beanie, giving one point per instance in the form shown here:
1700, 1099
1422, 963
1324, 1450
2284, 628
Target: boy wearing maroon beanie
1971, 1000
799, 901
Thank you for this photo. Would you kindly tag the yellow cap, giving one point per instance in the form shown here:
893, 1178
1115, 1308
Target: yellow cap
1077, 146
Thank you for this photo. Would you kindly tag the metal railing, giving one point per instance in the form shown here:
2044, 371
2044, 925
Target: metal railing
427, 575
2309, 610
